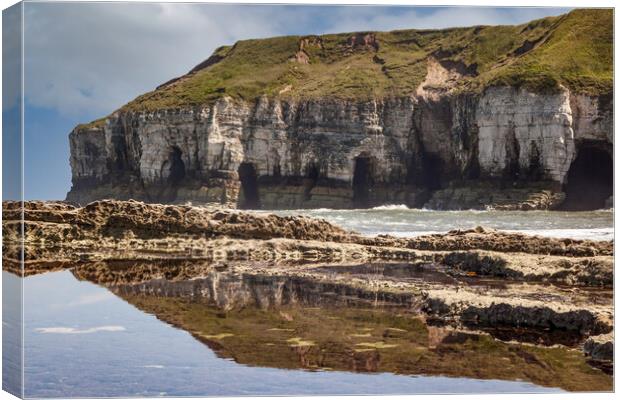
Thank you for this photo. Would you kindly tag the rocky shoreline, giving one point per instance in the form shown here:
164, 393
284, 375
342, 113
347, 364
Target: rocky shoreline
559, 289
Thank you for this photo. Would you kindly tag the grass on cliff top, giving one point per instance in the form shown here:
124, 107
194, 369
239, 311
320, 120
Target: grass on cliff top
574, 50
577, 53
98, 123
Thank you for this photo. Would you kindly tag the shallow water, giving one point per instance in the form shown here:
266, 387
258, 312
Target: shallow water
167, 338
400, 221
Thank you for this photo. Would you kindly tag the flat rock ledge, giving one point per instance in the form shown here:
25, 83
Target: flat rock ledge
477, 278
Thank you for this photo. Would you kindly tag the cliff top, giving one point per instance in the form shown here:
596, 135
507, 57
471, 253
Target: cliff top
574, 50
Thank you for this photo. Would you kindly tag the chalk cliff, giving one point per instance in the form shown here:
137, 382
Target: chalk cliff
465, 134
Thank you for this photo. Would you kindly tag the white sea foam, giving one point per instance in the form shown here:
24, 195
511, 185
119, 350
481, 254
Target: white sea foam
586, 233
579, 234
391, 207
398, 220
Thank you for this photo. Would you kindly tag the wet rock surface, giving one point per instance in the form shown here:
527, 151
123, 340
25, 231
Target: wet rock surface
601, 347
552, 291
102, 228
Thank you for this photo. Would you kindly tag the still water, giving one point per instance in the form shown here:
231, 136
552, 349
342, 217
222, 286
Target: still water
398, 220
161, 338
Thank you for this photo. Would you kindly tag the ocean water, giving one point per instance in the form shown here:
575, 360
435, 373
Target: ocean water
398, 220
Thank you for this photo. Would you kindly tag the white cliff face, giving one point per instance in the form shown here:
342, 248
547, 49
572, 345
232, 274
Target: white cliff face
525, 129
304, 154
159, 133
591, 119
224, 147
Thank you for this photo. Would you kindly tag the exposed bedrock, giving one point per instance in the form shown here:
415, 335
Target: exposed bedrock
507, 148
478, 277
56, 234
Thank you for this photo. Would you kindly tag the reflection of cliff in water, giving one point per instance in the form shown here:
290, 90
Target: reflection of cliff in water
298, 323
234, 291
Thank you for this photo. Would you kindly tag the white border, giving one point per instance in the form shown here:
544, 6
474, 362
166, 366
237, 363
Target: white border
487, 3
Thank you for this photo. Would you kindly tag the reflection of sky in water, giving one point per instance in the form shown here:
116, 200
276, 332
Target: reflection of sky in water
11, 334
83, 341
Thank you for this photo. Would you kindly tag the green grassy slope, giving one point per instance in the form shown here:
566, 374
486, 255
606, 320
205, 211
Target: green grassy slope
574, 50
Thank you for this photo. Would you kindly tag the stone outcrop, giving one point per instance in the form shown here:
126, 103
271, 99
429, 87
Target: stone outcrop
420, 150
553, 289
601, 347
131, 230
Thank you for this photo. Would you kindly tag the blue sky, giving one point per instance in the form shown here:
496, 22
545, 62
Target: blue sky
84, 60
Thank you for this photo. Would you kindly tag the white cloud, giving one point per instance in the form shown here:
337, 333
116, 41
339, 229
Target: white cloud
97, 56
94, 57
72, 331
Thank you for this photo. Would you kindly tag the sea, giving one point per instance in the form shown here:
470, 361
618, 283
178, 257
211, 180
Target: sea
399, 220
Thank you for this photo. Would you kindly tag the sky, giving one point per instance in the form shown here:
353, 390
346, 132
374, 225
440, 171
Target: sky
84, 60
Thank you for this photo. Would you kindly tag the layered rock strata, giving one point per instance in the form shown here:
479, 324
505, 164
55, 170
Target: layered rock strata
512, 117
506, 148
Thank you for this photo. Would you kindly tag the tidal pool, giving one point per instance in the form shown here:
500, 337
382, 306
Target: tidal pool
244, 335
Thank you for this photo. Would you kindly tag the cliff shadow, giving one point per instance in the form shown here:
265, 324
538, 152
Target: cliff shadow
249, 198
590, 180
432, 170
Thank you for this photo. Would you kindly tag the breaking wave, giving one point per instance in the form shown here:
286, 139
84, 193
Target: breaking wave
391, 207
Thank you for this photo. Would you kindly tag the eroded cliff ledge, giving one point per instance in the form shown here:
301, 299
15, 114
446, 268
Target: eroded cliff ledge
459, 118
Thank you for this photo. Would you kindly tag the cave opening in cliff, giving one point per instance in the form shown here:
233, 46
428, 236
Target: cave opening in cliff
431, 169
249, 186
177, 166
312, 176
590, 180
362, 181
